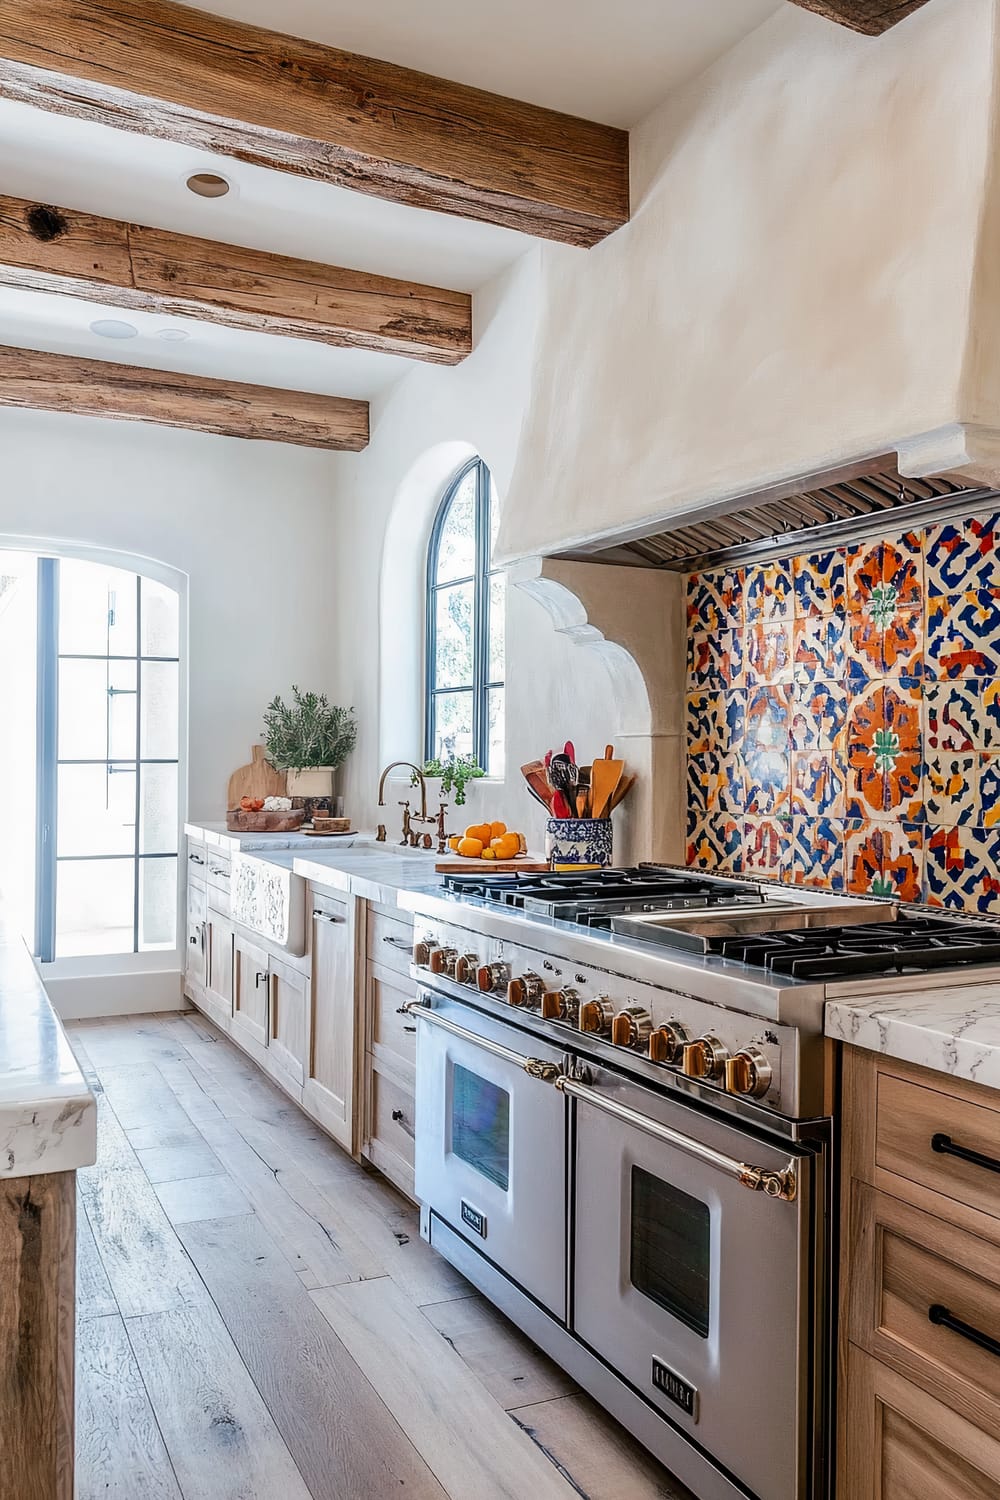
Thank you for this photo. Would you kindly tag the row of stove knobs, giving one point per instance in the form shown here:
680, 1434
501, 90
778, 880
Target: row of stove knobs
746, 1072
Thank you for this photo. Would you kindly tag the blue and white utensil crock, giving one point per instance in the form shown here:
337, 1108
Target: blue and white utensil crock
578, 841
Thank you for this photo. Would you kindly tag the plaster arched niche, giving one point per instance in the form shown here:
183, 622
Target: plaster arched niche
401, 598
632, 619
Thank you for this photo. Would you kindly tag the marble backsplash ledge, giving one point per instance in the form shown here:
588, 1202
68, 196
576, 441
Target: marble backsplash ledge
843, 717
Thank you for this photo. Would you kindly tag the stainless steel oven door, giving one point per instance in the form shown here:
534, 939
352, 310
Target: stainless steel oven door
695, 1287
491, 1142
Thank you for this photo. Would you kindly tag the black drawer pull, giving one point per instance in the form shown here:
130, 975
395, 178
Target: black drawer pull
397, 1114
943, 1318
947, 1147
405, 1028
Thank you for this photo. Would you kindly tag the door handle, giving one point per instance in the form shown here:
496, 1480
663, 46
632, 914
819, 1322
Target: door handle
265, 976
776, 1184
535, 1067
395, 942
946, 1146
944, 1319
325, 916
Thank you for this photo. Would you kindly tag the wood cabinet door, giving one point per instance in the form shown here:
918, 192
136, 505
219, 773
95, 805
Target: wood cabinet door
219, 970
901, 1444
195, 947
288, 1025
329, 1086
251, 983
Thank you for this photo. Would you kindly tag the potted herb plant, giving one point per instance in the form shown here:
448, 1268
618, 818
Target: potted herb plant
308, 738
455, 774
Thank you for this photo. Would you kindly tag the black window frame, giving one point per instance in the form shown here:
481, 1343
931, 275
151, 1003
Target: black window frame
482, 684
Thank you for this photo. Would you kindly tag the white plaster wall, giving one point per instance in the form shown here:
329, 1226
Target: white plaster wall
250, 524
793, 288
386, 500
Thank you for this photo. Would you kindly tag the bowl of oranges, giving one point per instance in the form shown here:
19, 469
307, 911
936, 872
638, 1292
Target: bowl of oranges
489, 841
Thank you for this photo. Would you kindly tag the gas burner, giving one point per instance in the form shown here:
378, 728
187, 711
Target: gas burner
586, 895
910, 945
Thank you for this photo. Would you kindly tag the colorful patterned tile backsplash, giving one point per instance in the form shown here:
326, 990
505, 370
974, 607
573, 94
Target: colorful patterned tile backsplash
843, 717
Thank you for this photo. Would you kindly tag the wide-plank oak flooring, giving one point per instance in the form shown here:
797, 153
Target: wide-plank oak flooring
259, 1319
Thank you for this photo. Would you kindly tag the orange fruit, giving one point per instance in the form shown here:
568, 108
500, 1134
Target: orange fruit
507, 846
480, 831
454, 842
497, 830
489, 854
470, 847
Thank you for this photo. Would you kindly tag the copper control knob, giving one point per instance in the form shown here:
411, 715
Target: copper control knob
492, 977
422, 954
705, 1058
631, 1027
526, 991
561, 1005
667, 1043
466, 966
443, 961
749, 1073
596, 1015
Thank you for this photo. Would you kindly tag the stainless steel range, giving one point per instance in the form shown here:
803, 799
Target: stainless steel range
623, 1139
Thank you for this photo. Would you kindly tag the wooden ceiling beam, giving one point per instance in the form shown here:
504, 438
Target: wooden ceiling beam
43, 248
32, 381
168, 70
870, 17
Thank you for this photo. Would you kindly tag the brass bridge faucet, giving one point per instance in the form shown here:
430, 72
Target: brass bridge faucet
410, 837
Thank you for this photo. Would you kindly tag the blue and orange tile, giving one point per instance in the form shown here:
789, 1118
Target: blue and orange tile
962, 869
818, 853
767, 847
963, 635
819, 647
715, 600
769, 592
961, 555
819, 714
951, 787
768, 653
820, 582
817, 784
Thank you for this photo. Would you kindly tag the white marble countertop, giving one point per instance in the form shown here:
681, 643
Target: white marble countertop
364, 868
48, 1115
954, 1029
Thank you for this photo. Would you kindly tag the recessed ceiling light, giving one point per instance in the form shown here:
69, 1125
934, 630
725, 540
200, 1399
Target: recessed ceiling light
113, 328
208, 185
172, 335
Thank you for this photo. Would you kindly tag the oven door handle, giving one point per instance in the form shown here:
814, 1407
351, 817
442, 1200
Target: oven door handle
776, 1184
535, 1067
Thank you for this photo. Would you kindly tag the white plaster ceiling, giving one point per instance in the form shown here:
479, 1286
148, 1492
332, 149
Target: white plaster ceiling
610, 60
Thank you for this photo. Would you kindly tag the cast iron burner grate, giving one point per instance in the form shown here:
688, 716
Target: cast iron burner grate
911, 945
645, 887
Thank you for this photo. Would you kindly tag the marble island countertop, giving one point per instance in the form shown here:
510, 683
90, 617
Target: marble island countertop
954, 1029
48, 1115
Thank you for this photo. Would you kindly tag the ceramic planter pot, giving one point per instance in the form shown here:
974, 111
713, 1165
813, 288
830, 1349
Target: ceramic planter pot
316, 781
578, 841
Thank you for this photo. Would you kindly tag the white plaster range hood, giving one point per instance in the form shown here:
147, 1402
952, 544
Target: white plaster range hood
842, 505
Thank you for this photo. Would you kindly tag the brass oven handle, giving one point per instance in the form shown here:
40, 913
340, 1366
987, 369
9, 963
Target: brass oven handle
534, 1066
775, 1184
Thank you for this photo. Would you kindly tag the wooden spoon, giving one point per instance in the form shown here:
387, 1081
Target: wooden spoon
621, 791
604, 778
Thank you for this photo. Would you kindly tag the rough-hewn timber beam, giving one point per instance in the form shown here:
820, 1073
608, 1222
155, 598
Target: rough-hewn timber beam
97, 388
43, 248
168, 70
871, 17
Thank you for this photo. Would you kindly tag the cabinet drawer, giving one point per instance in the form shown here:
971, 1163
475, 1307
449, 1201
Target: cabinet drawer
391, 1037
932, 1138
392, 1116
197, 864
217, 870
901, 1444
390, 942
925, 1298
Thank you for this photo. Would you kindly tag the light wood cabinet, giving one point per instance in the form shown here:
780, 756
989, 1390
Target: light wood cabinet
288, 1025
196, 945
390, 1048
251, 982
218, 996
901, 1444
919, 1388
330, 1088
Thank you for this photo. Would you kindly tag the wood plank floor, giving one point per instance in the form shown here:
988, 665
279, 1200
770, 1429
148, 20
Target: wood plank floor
258, 1316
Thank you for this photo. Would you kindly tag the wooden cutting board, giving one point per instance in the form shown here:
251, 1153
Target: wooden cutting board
258, 779
461, 866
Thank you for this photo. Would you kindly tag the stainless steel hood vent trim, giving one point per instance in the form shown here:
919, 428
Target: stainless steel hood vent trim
824, 515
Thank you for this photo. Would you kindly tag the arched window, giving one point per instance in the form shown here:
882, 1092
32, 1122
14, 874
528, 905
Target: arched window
466, 604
